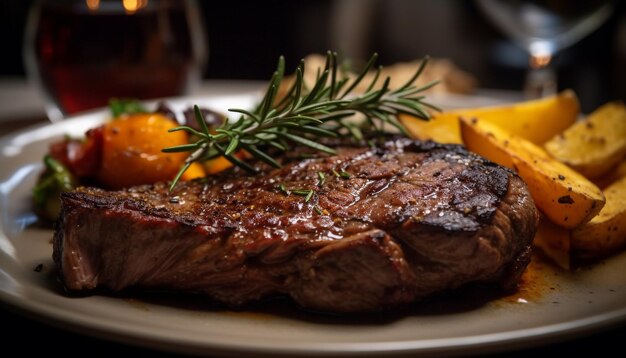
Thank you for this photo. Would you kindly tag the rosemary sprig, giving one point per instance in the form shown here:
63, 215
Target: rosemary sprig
302, 117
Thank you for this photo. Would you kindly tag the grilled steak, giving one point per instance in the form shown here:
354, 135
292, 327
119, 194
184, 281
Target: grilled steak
384, 226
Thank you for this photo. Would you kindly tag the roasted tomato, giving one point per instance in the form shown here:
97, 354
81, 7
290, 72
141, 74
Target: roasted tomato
81, 157
126, 152
131, 151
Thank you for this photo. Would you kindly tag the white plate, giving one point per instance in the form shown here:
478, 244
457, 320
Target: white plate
556, 305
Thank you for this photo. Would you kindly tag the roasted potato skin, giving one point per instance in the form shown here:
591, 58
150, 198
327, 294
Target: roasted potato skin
606, 232
555, 242
617, 173
535, 120
567, 198
595, 145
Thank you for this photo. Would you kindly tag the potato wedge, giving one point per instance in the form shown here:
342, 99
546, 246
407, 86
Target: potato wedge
442, 128
611, 177
554, 242
536, 120
594, 145
566, 197
605, 233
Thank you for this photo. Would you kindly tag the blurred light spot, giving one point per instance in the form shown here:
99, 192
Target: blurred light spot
93, 4
131, 6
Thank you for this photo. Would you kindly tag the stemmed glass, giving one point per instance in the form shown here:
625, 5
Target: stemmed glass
81, 53
543, 28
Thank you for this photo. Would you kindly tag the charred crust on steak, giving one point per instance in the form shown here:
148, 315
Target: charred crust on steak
412, 219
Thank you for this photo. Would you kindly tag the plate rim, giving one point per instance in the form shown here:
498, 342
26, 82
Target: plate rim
481, 343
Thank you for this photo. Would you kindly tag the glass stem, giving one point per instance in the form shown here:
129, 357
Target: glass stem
541, 77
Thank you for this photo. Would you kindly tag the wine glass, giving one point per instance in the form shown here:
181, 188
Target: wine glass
543, 28
81, 53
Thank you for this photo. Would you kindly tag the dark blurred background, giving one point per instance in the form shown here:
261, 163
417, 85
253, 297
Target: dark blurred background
245, 37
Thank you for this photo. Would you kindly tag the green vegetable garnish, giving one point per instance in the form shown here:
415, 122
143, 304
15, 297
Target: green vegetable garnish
55, 180
119, 106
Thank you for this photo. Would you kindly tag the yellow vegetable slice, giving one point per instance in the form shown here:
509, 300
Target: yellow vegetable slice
536, 120
554, 241
605, 233
566, 197
216, 165
594, 145
442, 128
195, 170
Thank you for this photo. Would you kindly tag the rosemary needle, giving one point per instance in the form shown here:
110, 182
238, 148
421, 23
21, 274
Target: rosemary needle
322, 178
282, 188
307, 193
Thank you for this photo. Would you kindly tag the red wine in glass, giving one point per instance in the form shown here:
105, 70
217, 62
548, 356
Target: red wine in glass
82, 53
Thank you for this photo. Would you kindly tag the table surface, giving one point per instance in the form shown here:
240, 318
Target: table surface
21, 106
